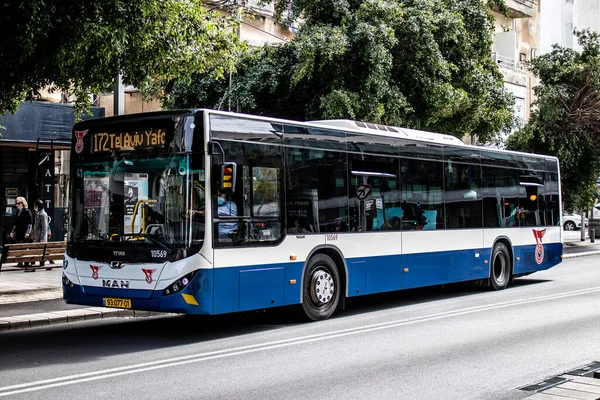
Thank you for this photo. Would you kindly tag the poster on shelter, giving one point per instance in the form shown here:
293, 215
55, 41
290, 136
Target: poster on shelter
135, 190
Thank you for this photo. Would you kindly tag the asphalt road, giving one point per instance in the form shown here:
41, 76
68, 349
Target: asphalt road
458, 342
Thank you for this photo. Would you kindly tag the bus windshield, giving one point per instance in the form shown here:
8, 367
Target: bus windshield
157, 200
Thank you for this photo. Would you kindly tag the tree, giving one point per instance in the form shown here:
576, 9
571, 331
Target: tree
565, 117
80, 47
423, 64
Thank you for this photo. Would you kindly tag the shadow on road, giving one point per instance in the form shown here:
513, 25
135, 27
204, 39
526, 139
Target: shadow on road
74, 343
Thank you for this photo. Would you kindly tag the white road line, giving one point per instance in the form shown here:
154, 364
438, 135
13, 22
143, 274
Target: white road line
194, 358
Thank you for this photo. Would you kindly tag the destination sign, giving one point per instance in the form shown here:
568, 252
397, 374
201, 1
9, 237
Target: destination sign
104, 141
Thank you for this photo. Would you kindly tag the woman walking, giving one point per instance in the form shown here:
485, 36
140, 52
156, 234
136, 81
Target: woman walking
21, 232
40, 225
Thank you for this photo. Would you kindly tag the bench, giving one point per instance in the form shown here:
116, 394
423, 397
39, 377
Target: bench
32, 253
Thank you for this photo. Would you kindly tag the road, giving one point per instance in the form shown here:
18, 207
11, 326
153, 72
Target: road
438, 343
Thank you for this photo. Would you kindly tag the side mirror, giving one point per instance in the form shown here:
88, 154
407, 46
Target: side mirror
227, 178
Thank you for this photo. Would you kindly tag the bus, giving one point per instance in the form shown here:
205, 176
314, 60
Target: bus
210, 212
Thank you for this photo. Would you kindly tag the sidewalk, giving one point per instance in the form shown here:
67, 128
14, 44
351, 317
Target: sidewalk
18, 287
574, 247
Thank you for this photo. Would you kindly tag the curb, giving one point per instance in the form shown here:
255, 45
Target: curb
83, 314
582, 254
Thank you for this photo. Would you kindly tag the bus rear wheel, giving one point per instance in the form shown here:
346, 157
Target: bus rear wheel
501, 267
321, 288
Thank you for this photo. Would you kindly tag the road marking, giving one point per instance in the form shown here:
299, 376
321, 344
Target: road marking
213, 355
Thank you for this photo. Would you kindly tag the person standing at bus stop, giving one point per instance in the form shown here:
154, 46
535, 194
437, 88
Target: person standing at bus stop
40, 225
21, 231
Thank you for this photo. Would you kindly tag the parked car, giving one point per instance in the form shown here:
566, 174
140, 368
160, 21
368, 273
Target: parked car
596, 211
572, 222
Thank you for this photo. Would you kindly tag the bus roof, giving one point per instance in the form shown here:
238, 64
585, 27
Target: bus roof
393, 131
337, 124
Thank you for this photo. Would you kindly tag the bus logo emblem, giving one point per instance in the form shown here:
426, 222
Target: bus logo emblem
539, 248
79, 136
116, 265
148, 273
95, 269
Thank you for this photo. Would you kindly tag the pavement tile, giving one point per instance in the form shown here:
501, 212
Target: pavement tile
126, 313
139, 313
37, 320
92, 314
106, 312
72, 315
17, 322
157, 313
56, 318
75, 317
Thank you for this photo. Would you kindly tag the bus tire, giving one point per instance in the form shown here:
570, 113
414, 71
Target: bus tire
320, 288
500, 270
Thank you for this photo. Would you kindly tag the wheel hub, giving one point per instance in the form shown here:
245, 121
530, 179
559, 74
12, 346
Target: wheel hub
500, 268
322, 287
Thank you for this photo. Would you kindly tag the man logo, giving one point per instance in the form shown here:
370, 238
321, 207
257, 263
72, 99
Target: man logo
113, 283
539, 247
116, 265
148, 273
95, 269
79, 136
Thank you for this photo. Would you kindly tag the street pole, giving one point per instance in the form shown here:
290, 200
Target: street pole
582, 230
119, 96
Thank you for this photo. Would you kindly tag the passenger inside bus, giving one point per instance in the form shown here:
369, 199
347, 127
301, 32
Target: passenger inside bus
225, 208
299, 227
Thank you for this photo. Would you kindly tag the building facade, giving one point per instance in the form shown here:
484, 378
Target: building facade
559, 18
516, 42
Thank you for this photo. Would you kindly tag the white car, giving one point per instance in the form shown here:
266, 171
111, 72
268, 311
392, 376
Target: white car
572, 222
596, 211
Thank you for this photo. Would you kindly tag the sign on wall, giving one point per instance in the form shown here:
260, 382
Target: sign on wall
45, 181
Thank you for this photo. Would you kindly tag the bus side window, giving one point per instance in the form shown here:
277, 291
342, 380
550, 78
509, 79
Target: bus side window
317, 191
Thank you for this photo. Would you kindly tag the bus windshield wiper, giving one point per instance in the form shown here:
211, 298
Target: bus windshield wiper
153, 238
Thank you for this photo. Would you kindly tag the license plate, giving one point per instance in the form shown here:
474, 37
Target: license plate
117, 303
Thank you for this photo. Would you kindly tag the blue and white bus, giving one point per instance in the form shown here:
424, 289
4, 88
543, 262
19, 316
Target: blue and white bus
210, 212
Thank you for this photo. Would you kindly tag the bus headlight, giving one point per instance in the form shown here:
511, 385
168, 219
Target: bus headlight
179, 284
67, 281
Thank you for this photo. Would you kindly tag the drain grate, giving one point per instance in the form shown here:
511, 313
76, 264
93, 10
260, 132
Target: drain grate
589, 370
547, 384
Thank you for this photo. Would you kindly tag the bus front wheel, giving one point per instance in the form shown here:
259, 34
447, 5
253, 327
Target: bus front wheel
501, 267
321, 288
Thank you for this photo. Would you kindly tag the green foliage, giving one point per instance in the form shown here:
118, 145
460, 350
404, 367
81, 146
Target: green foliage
565, 119
80, 47
423, 64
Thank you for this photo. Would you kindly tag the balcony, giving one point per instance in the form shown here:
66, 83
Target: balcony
521, 8
513, 71
506, 62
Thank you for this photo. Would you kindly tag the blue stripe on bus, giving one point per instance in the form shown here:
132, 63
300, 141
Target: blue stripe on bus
264, 286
